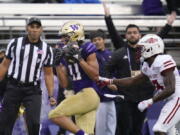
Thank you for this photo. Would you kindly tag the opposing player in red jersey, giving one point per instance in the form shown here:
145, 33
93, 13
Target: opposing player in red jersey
162, 71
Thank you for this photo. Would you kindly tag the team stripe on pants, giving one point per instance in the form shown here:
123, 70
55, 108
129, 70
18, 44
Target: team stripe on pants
172, 113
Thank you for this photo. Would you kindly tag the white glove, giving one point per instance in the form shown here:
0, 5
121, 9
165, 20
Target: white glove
104, 81
145, 104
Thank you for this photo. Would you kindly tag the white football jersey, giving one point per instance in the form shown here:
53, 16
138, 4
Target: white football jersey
161, 64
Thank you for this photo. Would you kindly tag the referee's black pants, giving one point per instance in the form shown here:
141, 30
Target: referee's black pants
14, 96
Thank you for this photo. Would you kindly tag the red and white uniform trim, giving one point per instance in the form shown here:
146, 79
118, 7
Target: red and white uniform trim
170, 113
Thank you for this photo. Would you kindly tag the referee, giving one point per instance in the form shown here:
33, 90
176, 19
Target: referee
24, 60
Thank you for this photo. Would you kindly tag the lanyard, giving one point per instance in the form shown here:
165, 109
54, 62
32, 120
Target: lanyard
129, 59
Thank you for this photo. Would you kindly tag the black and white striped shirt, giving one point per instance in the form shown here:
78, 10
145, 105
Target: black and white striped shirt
27, 59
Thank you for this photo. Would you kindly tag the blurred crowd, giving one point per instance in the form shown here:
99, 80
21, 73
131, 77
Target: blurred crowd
149, 7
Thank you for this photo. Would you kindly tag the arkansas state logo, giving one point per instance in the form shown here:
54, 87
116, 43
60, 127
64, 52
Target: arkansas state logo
151, 40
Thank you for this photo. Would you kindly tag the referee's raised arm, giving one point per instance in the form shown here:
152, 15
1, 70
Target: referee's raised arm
24, 60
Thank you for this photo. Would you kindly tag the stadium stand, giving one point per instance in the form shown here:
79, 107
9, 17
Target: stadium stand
13, 18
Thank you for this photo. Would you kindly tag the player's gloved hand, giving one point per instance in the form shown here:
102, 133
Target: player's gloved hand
73, 53
104, 81
145, 104
58, 54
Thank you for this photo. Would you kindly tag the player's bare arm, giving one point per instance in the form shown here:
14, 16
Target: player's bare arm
4, 67
62, 75
130, 80
91, 67
49, 80
169, 81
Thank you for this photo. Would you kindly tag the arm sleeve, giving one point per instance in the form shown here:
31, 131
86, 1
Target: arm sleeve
171, 5
117, 40
164, 31
49, 61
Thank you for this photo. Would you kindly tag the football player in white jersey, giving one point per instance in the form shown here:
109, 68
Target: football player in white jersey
162, 71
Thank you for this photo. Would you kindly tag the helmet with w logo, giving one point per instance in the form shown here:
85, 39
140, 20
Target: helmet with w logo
74, 30
151, 45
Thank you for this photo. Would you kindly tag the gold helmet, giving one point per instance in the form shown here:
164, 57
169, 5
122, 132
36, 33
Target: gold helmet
74, 30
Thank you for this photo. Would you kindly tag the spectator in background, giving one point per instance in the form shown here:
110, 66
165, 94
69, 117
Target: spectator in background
106, 113
152, 7
2, 54
4, 81
173, 5
125, 62
155, 7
